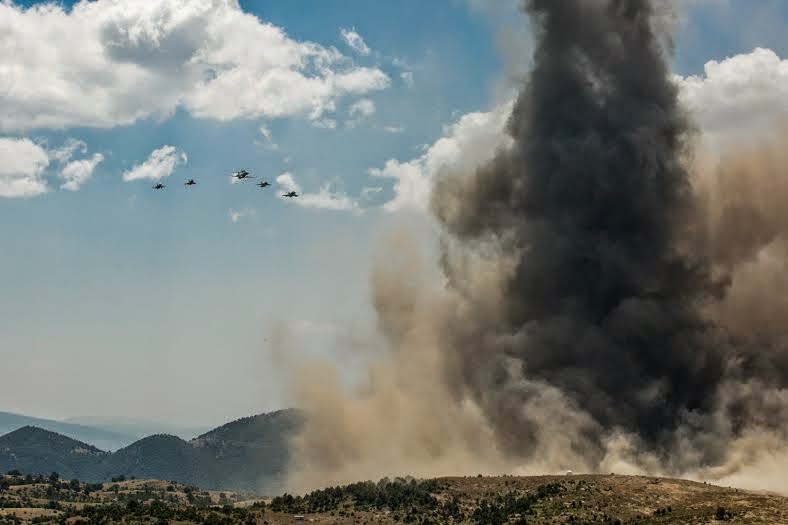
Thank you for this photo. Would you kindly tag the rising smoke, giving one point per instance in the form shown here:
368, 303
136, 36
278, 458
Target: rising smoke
599, 304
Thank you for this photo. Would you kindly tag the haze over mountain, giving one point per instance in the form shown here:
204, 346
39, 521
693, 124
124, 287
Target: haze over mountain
139, 428
99, 436
250, 454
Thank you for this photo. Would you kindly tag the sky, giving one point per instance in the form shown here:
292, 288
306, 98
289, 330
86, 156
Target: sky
118, 300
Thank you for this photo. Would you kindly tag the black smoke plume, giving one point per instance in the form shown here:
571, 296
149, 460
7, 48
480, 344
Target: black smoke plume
577, 325
606, 298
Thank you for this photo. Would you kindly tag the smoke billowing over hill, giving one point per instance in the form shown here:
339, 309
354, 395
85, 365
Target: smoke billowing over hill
595, 309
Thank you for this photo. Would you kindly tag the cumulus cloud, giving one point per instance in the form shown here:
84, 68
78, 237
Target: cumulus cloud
22, 168
159, 164
741, 97
324, 199
74, 172
77, 172
105, 63
466, 144
354, 41
237, 215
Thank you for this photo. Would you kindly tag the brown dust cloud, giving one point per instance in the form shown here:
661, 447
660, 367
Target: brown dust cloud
604, 300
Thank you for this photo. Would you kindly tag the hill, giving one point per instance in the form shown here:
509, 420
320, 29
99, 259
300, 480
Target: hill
235, 448
100, 437
248, 454
160, 456
34, 450
137, 428
586, 499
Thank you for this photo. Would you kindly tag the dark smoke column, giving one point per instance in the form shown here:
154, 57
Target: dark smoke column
594, 201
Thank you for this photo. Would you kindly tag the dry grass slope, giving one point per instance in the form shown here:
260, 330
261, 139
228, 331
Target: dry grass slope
580, 499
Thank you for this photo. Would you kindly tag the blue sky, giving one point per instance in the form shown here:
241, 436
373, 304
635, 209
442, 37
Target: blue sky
119, 300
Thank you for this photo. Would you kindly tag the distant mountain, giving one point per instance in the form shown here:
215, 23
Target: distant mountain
38, 451
248, 454
99, 437
139, 428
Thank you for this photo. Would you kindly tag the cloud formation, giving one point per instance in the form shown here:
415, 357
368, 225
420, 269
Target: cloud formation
324, 199
106, 63
77, 172
237, 215
741, 98
22, 168
160, 163
354, 41
465, 145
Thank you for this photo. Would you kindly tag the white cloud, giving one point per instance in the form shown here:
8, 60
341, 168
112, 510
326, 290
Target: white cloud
407, 78
77, 172
325, 199
354, 41
269, 142
159, 164
741, 97
265, 132
237, 215
466, 144
65, 152
22, 167
362, 108
105, 63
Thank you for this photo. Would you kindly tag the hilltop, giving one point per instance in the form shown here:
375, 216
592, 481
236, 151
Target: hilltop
250, 454
587, 499
103, 438
39, 451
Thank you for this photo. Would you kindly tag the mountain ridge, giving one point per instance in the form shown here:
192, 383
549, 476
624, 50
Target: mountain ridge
97, 436
249, 454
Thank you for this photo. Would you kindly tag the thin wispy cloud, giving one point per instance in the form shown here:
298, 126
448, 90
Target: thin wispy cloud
237, 215
77, 172
354, 41
324, 199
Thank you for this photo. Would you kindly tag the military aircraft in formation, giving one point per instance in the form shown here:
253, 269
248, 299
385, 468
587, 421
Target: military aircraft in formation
242, 174
239, 175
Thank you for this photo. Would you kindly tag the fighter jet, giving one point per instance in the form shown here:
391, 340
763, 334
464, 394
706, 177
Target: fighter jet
189, 182
159, 186
242, 174
290, 194
263, 183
